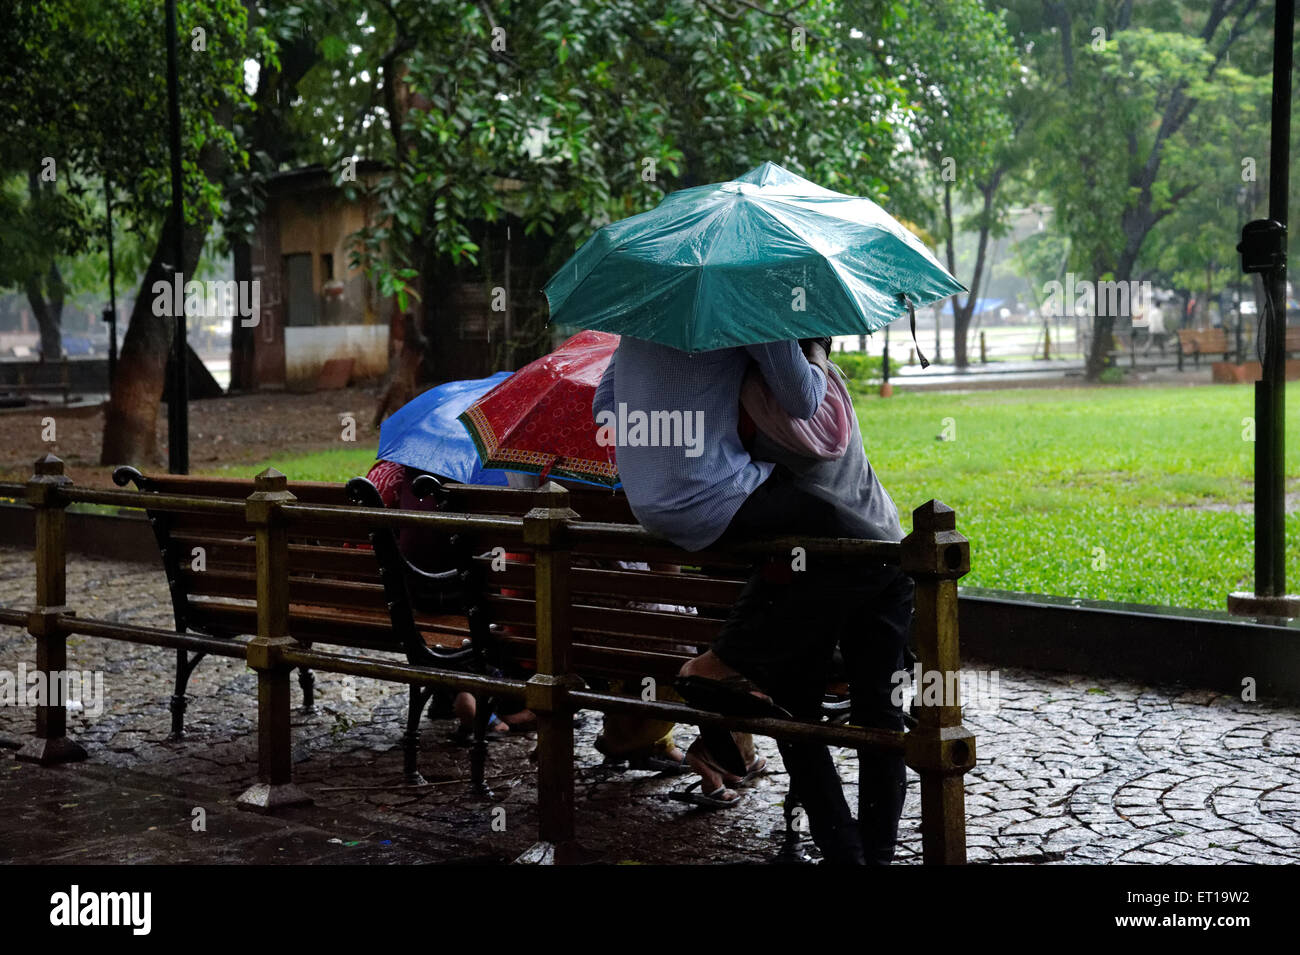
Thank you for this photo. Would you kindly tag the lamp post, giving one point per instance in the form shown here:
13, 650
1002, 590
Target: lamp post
110, 313
886, 389
178, 424
1242, 197
1263, 250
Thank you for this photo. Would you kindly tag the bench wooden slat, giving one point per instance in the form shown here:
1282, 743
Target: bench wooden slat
674, 628
219, 527
312, 625
1204, 340
683, 589
353, 562
307, 492
211, 527
593, 504
658, 554
304, 590
594, 660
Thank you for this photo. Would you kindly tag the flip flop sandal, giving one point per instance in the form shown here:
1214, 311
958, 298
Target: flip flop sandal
703, 751
645, 760
752, 772
713, 800
732, 696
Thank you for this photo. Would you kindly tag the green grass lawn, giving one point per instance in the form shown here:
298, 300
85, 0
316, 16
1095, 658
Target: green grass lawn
335, 464
1041, 479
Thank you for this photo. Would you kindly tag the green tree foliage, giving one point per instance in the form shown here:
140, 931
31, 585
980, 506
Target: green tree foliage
1148, 106
83, 98
567, 115
86, 87
963, 75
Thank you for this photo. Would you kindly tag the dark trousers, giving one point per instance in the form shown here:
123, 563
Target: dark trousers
782, 634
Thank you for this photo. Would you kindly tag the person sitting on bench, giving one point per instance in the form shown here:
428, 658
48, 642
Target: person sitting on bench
393, 481
693, 492
867, 609
723, 493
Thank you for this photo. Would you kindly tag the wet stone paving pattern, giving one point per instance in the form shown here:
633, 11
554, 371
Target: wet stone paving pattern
1071, 769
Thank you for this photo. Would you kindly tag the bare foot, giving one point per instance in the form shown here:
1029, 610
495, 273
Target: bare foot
520, 722
708, 665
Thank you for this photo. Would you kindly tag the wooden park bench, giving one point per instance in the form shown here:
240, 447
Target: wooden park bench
1214, 341
35, 377
1207, 341
338, 593
557, 621
337, 583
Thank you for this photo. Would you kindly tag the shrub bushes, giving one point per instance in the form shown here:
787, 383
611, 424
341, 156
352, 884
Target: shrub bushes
860, 368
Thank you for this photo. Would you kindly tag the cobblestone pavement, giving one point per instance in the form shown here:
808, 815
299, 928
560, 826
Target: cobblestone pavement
1071, 769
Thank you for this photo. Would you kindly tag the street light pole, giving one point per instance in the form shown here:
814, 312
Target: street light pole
110, 313
178, 425
1263, 249
1241, 216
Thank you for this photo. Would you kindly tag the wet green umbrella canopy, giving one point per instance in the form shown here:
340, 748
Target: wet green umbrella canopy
767, 257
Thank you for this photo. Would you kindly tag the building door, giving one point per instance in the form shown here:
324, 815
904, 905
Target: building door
300, 290
262, 345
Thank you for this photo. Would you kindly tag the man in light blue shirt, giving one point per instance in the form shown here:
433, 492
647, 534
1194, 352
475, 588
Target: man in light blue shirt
673, 418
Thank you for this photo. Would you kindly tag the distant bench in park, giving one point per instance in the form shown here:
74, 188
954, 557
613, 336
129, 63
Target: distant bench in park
23, 378
1206, 341
291, 565
1214, 341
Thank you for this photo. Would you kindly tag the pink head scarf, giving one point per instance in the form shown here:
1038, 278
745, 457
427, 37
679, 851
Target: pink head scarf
824, 436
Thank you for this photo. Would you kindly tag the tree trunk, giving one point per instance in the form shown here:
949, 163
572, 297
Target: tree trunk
131, 416
960, 329
46, 300
1103, 326
404, 380
961, 314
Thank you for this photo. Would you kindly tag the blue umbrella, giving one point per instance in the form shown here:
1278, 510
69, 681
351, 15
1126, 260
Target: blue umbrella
425, 434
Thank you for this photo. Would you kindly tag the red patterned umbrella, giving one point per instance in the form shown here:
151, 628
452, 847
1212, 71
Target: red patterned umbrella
539, 419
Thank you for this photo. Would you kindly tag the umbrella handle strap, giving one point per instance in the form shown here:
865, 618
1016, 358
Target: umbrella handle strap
911, 314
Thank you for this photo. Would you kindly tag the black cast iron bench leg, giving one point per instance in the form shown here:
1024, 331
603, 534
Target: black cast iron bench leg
185, 664
307, 682
478, 786
419, 698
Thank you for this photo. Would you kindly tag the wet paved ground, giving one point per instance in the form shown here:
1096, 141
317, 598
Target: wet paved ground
1070, 770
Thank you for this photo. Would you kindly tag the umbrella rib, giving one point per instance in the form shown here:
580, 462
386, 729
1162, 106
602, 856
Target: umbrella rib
715, 220
623, 242
887, 225
830, 261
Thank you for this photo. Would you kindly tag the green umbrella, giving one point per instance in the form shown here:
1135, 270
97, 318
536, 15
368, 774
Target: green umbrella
767, 257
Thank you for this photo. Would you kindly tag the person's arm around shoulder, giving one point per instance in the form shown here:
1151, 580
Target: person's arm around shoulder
798, 383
